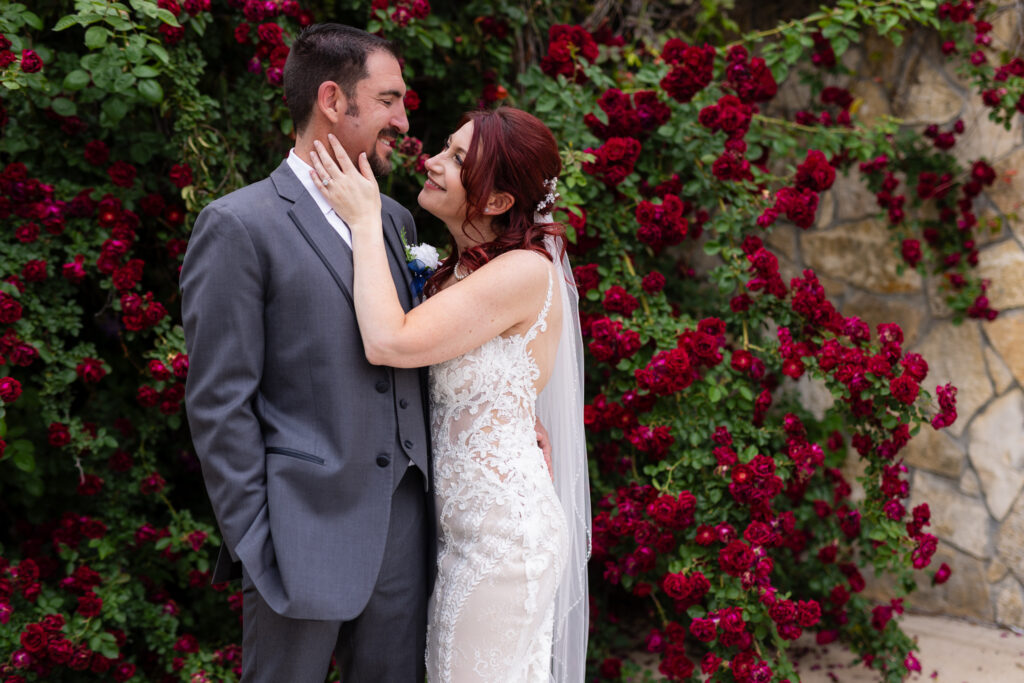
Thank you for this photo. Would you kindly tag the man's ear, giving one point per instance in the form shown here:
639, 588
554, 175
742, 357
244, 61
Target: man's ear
498, 203
330, 100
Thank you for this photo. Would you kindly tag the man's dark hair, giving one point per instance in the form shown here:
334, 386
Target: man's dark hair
327, 52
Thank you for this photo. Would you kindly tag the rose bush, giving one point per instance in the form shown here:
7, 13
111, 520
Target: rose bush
722, 520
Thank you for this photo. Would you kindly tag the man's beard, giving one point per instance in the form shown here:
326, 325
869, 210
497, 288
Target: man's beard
382, 166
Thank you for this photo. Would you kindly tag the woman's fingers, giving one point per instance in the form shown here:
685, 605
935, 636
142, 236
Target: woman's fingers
364, 167
340, 154
321, 174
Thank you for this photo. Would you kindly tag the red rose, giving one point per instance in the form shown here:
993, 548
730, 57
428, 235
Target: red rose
58, 435
34, 639
270, 33
412, 100
124, 672
904, 388
90, 370
942, 574
586, 277
10, 389
808, 613
618, 300
30, 62
703, 629
10, 309
181, 175
730, 620
783, 612
96, 152
653, 282
60, 650
90, 485
735, 558
89, 605
122, 173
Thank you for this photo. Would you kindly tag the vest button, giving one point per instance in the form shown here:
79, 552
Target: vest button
382, 386
383, 460
407, 443
402, 403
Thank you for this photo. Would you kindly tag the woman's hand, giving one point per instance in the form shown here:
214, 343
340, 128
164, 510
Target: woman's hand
351, 191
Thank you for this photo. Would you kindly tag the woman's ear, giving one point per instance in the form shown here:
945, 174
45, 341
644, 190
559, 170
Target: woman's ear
498, 203
330, 100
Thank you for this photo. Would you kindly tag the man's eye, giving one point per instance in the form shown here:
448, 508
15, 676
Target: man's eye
388, 103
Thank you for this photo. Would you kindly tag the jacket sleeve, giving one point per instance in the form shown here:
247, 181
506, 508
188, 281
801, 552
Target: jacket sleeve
222, 292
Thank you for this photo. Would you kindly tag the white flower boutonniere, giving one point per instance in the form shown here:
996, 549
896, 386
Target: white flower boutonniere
422, 260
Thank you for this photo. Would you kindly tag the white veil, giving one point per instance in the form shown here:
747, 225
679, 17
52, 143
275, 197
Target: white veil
560, 410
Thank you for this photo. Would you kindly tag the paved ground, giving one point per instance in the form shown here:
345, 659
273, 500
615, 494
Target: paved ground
951, 651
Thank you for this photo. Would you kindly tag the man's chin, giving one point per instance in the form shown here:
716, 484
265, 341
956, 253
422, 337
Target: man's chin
380, 166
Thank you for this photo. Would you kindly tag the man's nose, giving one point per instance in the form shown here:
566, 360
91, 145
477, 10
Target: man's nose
401, 121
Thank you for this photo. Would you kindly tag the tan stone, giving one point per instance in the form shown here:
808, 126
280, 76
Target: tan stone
965, 594
1003, 265
1001, 376
1006, 191
954, 355
908, 312
983, 138
1010, 539
854, 201
929, 98
853, 469
826, 210
814, 396
873, 102
1006, 26
1009, 603
996, 571
990, 226
970, 485
861, 254
956, 519
932, 450
782, 240
1006, 333
997, 451
938, 290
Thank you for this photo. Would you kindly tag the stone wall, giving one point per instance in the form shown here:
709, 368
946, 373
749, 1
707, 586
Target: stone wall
972, 473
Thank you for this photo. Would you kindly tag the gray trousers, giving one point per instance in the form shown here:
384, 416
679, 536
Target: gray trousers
385, 643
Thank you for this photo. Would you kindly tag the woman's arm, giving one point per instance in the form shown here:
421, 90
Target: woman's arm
504, 293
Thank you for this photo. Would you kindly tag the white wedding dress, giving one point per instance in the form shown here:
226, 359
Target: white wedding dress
503, 536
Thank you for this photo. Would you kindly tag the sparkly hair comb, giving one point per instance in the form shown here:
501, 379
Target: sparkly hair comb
546, 204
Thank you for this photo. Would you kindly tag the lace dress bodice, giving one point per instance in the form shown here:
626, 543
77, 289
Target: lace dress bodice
502, 532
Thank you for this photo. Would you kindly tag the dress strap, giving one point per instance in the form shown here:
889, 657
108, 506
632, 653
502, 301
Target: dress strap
541, 323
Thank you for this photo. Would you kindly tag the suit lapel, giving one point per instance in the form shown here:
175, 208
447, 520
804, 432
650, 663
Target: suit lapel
329, 246
399, 270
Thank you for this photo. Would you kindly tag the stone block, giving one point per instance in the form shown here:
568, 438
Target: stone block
874, 102
996, 571
1010, 539
965, 594
854, 201
860, 254
1003, 265
954, 354
873, 309
930, 97
1006, 334
782, 241
984, 138
1009, 602
957, 519
970, 485
1007, 192
997, 451
814, 396
1001, 376
932, 450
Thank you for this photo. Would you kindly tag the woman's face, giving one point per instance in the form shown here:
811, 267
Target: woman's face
443, 193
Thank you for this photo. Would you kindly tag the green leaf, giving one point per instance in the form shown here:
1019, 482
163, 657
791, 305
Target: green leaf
114, 109
159, 52
123, 82
151, 91
24, 461
145, 71
166, 17
63, 106
96, 37
162, 543
32, 20
66, 21
76, 80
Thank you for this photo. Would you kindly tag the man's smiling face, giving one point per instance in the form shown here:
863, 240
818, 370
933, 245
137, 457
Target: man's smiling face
375, 116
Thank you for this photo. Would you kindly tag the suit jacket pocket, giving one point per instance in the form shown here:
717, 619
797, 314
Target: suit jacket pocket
292, 453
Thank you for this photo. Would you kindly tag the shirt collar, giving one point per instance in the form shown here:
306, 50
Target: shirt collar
301, 169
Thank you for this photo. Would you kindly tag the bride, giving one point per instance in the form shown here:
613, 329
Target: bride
500, 332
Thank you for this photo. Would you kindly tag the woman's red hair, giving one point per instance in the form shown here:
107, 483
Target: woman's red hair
510, 151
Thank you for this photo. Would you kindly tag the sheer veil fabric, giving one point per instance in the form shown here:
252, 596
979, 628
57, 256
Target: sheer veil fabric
560, 410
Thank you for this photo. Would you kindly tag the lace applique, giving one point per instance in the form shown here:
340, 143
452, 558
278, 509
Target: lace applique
502, 532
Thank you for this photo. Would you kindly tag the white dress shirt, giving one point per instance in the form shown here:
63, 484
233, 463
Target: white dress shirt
302, 169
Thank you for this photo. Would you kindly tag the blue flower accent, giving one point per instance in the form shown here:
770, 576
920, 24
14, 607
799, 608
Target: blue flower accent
420, 274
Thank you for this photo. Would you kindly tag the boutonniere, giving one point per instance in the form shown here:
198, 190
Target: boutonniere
421, 260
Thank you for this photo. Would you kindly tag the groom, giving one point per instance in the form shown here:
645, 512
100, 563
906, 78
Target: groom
315, 461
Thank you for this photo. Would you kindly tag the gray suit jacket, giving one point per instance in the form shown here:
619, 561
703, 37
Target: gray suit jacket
298, 435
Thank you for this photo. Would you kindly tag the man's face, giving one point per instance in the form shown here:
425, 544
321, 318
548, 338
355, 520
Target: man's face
375, 116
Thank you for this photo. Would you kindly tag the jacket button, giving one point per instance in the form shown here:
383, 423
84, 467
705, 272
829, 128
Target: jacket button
403, 403
382, 386
407, 443
383, 460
